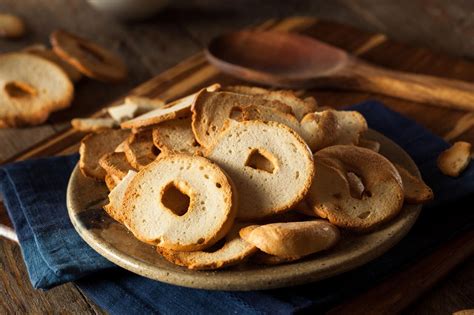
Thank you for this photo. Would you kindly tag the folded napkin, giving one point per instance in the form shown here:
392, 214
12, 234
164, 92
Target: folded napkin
35, 196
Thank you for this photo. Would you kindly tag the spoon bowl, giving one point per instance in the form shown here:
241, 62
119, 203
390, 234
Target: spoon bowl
295, 61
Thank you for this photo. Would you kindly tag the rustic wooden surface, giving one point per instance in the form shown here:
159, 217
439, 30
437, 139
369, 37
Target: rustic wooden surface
157, 44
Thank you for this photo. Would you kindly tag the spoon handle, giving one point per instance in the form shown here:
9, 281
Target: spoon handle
362, 76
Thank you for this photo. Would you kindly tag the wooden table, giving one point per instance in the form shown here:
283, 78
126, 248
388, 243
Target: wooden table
155, 45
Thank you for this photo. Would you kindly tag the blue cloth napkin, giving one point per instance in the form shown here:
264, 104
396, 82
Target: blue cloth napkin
34, 193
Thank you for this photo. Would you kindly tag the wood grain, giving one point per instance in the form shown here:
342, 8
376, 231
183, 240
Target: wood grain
402, 289
443, 26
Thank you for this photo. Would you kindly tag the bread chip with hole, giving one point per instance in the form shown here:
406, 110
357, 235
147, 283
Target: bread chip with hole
212, 109
94, 146
155, 219
88, 57
298, 106
43, 52
30, 89
140, 150
330, 194
264, 192
175, 136
454, 160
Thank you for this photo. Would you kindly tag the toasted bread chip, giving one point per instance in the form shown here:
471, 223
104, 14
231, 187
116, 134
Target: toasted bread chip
140, 150
298, 106
262, 258
31, 88
11, 26
416, 191
234, 250
212, 109
110, 182
96, 145
155, 219
264, 192
292, 240
115, 164
117, 196
145, 104
369, 144
92, 124
454, 160
318, 130
177, 109
43, 52
88, 57
175, 136
330, 193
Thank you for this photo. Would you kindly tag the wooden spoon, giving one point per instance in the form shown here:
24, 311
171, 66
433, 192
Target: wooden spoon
296, 61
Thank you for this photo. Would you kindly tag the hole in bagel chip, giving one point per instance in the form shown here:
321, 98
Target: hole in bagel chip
261, 159
19, 89
236, 113
175, 198
90, 52
356, 186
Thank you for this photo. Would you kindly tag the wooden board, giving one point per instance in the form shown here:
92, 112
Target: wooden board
195, 72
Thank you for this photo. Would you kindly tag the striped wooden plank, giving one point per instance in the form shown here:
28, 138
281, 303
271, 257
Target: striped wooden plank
194, 73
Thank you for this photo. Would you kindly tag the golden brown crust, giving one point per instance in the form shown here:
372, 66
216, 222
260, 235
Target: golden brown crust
177, 109
43, 52
220, 153
115, 164
170, 224
140, 149
416, 191
94, 146
11, 26
88, 57
454, 161
292, 240
29, 96
330, 193
235, 250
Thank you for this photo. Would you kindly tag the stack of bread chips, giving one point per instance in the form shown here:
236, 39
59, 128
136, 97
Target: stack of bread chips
234, 174
38, 80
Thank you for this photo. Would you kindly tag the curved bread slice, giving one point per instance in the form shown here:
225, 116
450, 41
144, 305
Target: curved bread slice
369, 144
234, 251
116, 198
96, 145
176, 109
31, 88
264, 191
155, 218
331, 197
88, 57
292, 240
212, 109
140, 150
416, 191
175, 136
93, 124
115, 164
298, 106
455, 160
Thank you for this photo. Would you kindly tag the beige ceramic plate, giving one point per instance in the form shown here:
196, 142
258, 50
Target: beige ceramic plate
86, 197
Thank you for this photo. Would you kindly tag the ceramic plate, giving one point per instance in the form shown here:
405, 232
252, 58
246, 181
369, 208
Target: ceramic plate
86, 197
